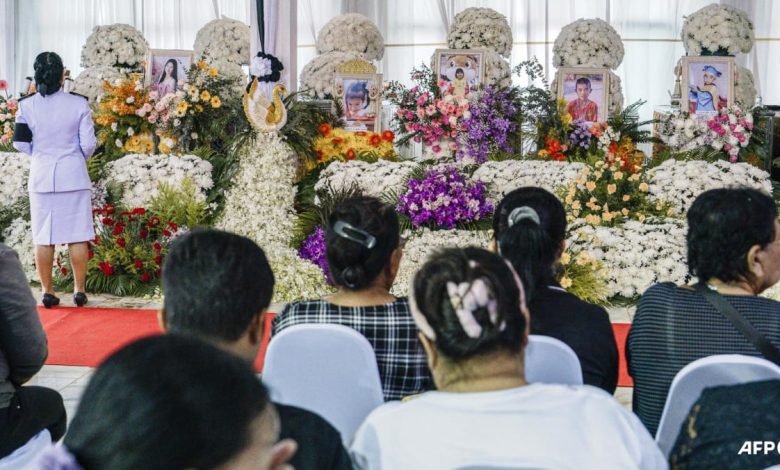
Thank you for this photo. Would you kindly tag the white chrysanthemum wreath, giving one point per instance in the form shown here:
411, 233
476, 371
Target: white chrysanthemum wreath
717, 29
223, 40
116, 45
351, 32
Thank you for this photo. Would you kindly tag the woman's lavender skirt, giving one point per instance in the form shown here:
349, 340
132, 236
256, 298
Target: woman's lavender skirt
61, 218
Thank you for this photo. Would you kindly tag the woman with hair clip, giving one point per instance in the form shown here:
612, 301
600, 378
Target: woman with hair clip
55, 128
529, 227
470, 308
364, 251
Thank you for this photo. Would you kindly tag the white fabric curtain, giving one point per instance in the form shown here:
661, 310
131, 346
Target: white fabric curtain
7, 40
413, 29
63, 26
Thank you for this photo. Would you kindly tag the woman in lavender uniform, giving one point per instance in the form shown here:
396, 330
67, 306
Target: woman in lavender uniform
55, 128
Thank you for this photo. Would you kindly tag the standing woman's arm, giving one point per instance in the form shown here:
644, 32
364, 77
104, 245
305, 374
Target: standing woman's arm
87, 139
22, 134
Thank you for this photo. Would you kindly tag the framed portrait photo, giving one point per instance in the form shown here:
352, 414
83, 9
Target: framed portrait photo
460, 72
585, 91
708, 83
166, 70
361, 100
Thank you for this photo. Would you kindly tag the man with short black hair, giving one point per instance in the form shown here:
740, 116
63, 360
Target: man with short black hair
218, 286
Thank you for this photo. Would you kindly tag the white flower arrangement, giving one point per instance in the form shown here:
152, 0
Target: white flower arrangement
372, 179
224, 40
635, 255
729, 131
18, 236
296, 278
15, 167
680, 182
717, 27
422, 243
319, 74
498, 72
588, 43
90, 81
505, 176
116, 45
139, 175
351, 32
744, 88
481, 27
260, 203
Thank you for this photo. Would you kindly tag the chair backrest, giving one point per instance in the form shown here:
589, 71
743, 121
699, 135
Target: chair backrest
328, 369
686, 388
26, 457
549, 360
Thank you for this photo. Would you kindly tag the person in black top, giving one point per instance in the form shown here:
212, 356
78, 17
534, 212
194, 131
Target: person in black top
529, 227
217, 287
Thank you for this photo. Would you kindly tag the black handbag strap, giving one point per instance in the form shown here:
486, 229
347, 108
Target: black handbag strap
758, 340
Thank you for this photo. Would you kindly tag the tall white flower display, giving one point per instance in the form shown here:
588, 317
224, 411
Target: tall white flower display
90, 81
116, 45
319, 74
485, 28
260, 206
591, 43
224, 40
745, 88
717, 29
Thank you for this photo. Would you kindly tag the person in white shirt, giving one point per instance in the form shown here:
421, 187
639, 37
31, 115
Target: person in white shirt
469, 306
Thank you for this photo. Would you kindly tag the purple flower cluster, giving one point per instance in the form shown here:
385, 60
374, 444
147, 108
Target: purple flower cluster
581, 135
489, 126
443, 198
313, 249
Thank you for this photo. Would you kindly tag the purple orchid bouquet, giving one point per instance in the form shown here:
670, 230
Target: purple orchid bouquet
491, 126
444, 197
313, 249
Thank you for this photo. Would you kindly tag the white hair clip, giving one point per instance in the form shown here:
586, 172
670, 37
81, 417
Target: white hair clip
466, 298
522, 213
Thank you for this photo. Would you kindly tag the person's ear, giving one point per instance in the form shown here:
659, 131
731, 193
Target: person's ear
162, 319
430, 350
755, 263
561, 248
281, 452
394, 265
493, 246
255, 329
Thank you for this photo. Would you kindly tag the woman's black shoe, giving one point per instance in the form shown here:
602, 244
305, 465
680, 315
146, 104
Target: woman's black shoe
80, 299
49, 300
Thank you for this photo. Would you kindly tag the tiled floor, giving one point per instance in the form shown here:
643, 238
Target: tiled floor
70, 381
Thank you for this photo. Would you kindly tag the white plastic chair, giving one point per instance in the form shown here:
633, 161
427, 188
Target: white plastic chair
328, 369
712, 371
26, 457
549, 360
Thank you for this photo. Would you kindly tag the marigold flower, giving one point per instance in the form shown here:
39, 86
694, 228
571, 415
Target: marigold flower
324, 129
375, 139
590, 185
215, 102
205, 95
351, 154
213, 72
388, 136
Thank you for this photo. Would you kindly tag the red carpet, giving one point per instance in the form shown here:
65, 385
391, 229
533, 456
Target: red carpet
85, 336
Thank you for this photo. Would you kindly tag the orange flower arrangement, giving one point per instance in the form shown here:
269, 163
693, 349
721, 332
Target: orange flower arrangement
553, 149
338, 144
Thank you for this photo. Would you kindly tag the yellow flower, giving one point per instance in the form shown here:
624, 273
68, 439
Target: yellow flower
607, 216
205, 95
670, 212
626, 198
566, 119
641, 217
586, 171
182, 107
593, 219
618, 175
576, 205
599, 164
199, 108
633, 177
202, 65
565, 258
625, 212
569, 200
213, 72
215, 102
598, 174
565, 282
611, 188
583, 258
644, 187
591, 186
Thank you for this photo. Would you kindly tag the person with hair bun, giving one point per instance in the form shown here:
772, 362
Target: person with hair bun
469, 305
529, 227
364, 250
55, 128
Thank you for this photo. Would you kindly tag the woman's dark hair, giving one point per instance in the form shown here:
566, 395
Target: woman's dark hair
432, 300
166, 402
48, 73
174, 74
352, 263
358, 90
531, 247
722, 226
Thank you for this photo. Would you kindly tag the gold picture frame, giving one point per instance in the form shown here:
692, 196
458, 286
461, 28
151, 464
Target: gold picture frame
707, 84
360, 95
573, 80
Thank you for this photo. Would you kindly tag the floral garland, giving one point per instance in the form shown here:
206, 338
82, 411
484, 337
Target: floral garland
721, 29
490, 128
119, 128
296, 278
223, 39
338, 144
506, 176
444, 197
372, 179
351, 32
481, 27
729, 131
635, 255
319, 75
140, 174
588, 43
90, 81
116, 45
680, 182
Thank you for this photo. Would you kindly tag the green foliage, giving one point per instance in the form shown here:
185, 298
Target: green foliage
181, 205
583, 277
628, 124
312, 215
304, 118
707, 154
539, 114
